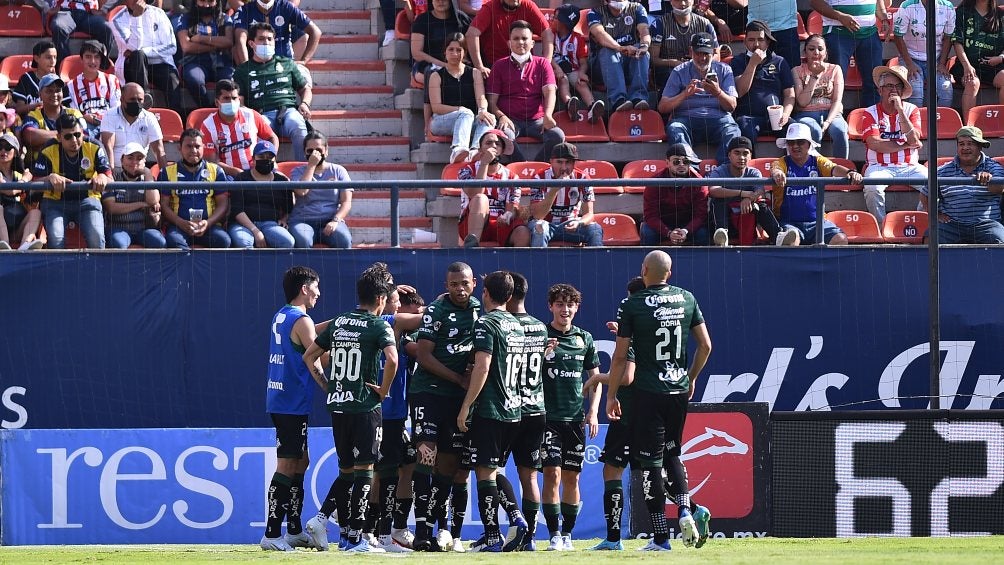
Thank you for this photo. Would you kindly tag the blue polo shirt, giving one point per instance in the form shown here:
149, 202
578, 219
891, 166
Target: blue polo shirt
771, 78
701, 104
969, 204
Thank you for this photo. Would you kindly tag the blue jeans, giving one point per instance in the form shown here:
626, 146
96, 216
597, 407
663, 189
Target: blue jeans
807, 231
460, 124
307, 232
984, 231
650, 237
119, 238
215, 237
86, 212
550, 138
292, 125
867, 53
751, 126
626, 78
943, 86
66, 22
590, 234
276, 236
197, 75
837, 130
721, 130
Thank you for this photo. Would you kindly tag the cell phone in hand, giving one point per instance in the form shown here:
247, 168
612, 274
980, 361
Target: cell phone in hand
195, 214
712, 76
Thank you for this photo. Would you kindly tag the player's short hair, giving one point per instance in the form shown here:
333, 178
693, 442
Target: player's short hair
635, 284
375, 282
410, 298
259, 26
520, 286
498, 285
295, 278
459, 267
190, 132
565, 293
226, 85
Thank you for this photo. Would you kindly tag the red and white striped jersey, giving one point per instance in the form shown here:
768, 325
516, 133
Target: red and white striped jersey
95, 96
887, 127
85, 5
233, 142
568, 202
498, 197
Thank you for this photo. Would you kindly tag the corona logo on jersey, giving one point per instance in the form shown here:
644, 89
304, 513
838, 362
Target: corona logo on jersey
718, 452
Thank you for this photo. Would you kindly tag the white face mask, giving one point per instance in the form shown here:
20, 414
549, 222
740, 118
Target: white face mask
682, 11
264, 51
617, 5
266, 5
230, 108
522, 58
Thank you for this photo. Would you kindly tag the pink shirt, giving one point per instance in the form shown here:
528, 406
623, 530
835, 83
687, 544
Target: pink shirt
520, 91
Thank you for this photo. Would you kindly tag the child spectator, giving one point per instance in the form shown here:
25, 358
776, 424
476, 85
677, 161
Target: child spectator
571, 66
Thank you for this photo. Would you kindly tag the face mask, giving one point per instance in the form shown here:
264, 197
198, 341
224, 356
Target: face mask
264, 167
682, 12
522, 58
131, 109
229, 109
207, 11
264, 51
617, 5
266, 5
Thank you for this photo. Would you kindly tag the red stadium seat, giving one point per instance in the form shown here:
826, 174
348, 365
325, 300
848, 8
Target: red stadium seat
854, 121
402, 26
526, 169
170, 123
14, 66
859, 226
450, 172
947, 121
762, 164
197, 116
581, 131
600, 170
706, 165
989, 118
642, 169
853, 79
287, 167
843, 187
815, 23
635, 125
618, 229
904, 226
71, 66
1000, 159
803, 33
581, 25
20, 21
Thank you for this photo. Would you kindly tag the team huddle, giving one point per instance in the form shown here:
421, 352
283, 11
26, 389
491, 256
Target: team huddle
481, 380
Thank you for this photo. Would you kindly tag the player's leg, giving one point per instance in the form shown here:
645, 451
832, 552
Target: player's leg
459, 495
366, 436
550, 499
391, 456
449, 448
289, 448
490, 441
295, 536
402, 507
648, 433
615, 457
573, 443
336, 502
676, 417
531, 432
426, 440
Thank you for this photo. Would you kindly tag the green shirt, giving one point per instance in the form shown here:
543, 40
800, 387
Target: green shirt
271, 85
499, 334
531, 385
451, 328
976, 42
355, 340
658, 321
564, 368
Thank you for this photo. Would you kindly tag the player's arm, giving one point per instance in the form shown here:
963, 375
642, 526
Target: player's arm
479, 375
312, 358
700, 333
592, 422
617, 364
389, 371
405, 322
429, 362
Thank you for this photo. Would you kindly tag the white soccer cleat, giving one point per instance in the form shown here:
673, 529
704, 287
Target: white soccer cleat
317, 529
444, 540
275, 544
301, 539
390, 546
364, 547
403, 537
556, 544
689, 529
566, 543
458, 546
652, 546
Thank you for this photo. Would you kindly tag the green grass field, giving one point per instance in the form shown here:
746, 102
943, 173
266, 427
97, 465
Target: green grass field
767, 551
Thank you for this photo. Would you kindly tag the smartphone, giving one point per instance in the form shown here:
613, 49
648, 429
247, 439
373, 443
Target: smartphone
195, 214
712, 76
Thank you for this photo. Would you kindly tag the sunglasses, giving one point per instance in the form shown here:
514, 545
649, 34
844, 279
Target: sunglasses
678, 162
74, 135
311, 150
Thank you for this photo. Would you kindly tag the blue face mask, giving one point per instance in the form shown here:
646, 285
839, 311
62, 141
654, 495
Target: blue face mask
264, 51
229, 109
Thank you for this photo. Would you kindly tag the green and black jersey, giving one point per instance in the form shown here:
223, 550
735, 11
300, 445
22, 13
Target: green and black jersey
658, 322
355, 340
451, 328
531, 385
501, 335
564, 368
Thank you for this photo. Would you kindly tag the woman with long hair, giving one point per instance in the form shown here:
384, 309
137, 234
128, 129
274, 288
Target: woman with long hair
19, 212
979, 49
457, 98
819, 93
428, 37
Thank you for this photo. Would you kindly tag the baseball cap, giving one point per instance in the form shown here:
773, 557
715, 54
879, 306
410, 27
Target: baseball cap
509, 147
97, 46
703, 43
133, 147
760, 25
974, 133
567, 14
682, 150
11, 140
264, 146
740, 142
49, 80
565, 151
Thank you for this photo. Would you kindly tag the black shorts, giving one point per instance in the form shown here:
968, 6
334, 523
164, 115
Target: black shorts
489, 442
617, 444
434, 420
657, 427
564, 445
528, 445
395, 446
357, 437
290, 435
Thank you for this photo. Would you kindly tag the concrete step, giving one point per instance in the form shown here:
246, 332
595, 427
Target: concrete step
377, 149
348, 48
377, 229
383, 171
341, 123
348, 73
376, 203
342, 22
353, 98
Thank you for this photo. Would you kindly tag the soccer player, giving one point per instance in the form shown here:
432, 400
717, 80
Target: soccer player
289, 395
574, 354
494, 386
658, 322
445, 342
355, 340
399, 532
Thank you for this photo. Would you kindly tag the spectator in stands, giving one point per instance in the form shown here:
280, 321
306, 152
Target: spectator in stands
570, 65
388, 10
969, 213
910, 37
851, 27
736, 211
146, 44
93, 91
195, 215
676, 215
819, 93
289, 25
979, 49
40, 124
19, 211
781, 17
672, 33
231, 132
319, 214
490, 35
429, 35
9, 120
728, 16
491, 213
72, 158
563, 213
273, 90
206, 38
459, 105
521, 94
77, 15
891, 132
619, 48
700, 95
133, 215
130, 122
470, 7
795, 206
26, 94
258, 217
763, 79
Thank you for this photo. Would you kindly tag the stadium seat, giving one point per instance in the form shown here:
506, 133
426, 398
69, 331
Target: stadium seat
948, 121
854, 121
71, 66
20, 21
402, 26
114, 11
450, 173
860, 226
904, 226
170, 123
999, 159
762, 164
526, 169
581, 131
634, 125
197, 116
618, 229
600, 170
853, 79
286, 167
14, 66
642, 169
843, 187
706, 165
989, 118
815, 23
803, 33
581, 25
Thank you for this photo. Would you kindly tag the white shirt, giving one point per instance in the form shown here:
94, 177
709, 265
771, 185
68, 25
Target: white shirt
144, 130
151, 33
